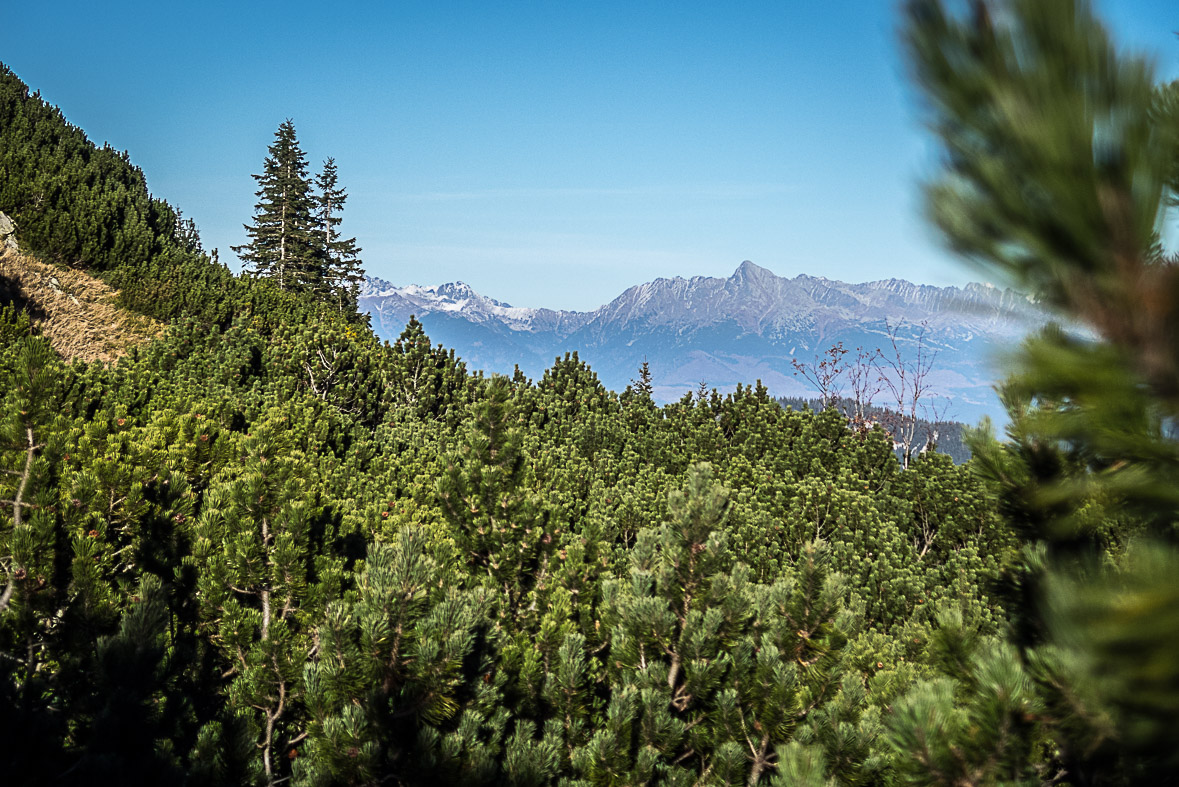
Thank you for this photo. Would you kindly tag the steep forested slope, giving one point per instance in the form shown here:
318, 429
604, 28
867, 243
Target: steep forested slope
89, 207
259, 547
267, 547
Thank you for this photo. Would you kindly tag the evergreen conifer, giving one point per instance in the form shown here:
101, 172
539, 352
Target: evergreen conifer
283, 246
343, 273
1060, 166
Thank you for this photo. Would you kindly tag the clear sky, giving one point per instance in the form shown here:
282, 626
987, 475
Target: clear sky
547, 153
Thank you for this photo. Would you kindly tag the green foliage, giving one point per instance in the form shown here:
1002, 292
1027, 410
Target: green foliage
711, 673
389, 663
1118, 630
128, 733
295, 240
485, 496
1060, 165
89, 207
416, 572
283, 245
978, 725
343, 273
262, 581
268, 547
425, 382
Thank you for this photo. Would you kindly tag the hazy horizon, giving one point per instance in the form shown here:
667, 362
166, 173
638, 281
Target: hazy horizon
547, 156
508, 303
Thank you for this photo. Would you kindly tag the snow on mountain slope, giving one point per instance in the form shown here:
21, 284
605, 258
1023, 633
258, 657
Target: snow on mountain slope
723, 331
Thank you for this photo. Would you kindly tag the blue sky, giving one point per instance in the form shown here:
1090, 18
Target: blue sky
547, 153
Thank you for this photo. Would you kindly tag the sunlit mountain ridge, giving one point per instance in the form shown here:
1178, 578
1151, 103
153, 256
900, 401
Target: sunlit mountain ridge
724, 331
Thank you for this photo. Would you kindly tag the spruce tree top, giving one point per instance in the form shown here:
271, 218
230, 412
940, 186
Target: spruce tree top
282, 245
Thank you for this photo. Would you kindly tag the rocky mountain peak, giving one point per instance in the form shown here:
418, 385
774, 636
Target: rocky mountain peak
721, 330
459, 291
750, 270
374, 287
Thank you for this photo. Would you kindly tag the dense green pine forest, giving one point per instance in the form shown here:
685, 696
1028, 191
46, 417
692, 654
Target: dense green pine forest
266, 548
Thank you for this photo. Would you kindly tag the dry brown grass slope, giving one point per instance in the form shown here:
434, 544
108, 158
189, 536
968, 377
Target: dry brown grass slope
75, 312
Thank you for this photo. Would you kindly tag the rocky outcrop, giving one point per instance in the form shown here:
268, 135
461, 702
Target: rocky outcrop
8, 233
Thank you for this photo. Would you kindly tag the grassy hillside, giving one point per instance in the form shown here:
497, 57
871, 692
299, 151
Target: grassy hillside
76, 312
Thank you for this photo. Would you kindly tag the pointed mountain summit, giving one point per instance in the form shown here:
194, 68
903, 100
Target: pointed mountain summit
723, 331
748, 271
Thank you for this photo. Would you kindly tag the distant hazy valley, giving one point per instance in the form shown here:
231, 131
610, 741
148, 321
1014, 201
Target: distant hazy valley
725, 331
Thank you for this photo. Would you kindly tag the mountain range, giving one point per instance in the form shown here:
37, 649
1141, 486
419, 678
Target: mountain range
724, 331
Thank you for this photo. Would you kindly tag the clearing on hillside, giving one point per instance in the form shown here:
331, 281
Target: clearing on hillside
75, 312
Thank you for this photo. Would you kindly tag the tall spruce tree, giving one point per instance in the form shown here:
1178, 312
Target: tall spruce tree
283, 246
343, 273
